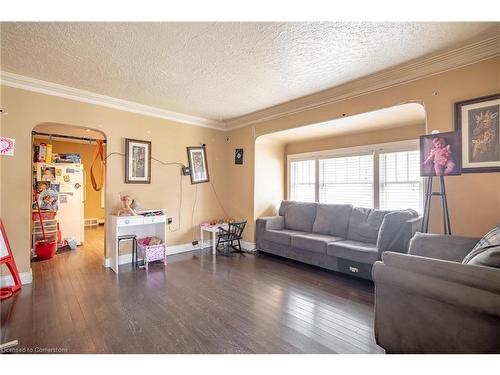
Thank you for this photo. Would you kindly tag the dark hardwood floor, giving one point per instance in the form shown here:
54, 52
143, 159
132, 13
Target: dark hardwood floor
197, 304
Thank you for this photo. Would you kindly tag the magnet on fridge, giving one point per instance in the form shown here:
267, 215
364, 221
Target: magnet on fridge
58, 172
66, 178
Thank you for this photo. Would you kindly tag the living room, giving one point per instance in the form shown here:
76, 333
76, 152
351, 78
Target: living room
353, 209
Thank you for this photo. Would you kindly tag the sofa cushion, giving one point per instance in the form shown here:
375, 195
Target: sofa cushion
299, 215
313, 242
284, 206
395, 231
332, 219
281, 236
364, 224
354, 250
487, 251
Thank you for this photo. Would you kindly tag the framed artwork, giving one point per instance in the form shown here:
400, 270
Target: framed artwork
198, 164
238, 156
440, 154
478, 122
137, 161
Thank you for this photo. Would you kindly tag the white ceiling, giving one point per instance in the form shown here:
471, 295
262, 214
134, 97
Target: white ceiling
218, 71
388, 118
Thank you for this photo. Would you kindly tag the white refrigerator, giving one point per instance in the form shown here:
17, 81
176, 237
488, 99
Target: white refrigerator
71, 180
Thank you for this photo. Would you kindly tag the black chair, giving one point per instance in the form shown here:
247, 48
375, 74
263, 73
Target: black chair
230, 238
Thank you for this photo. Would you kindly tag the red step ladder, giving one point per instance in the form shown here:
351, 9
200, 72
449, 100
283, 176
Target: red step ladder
7, 258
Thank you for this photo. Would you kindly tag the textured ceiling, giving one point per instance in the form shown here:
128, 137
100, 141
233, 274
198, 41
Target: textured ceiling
217, 71
388, 118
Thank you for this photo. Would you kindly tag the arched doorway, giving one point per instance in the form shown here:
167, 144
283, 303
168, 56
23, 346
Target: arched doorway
72, 207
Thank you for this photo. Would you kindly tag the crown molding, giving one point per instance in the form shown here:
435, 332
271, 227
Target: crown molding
54, 89
416, 69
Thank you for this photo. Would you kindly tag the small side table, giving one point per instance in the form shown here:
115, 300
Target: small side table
214, 229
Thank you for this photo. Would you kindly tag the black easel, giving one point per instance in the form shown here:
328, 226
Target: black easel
427, 205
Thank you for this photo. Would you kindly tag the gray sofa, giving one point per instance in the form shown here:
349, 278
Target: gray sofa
338, 237
427, 301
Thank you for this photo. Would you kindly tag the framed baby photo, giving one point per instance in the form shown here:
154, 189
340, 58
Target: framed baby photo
137, 161
198, 164
478, 122
440, 154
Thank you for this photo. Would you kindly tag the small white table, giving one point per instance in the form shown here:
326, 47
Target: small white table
214, 229
140, 225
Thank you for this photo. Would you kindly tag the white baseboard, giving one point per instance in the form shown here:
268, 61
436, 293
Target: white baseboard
7, 280
177, 249
171, 250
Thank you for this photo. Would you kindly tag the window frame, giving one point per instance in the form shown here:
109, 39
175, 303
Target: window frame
375, 150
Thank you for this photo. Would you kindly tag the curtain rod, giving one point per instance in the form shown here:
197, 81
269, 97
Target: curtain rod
67, 137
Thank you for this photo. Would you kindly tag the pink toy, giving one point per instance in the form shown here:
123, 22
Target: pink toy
150, 250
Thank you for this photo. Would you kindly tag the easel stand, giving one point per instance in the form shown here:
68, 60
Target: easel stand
6, 258
427, 205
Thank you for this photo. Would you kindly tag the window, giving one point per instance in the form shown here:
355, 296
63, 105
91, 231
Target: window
400, 180
347, 180
379, 176
303, 181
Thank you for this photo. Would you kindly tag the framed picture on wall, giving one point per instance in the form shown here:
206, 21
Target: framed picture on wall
198, 164
440, 154
238, 156
478, 121
137, 161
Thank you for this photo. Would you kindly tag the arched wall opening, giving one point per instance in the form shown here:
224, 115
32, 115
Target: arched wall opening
82, 220
398, 123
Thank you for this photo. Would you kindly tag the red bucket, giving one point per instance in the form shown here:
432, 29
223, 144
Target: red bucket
45, 249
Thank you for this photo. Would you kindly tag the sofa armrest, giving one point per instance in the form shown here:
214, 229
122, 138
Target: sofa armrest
441, 282
269, 222
440, 246
487, 278
414, 225
397, 228
273, 222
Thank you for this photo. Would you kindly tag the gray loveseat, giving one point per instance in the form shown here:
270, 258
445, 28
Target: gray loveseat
427, 301
338, 237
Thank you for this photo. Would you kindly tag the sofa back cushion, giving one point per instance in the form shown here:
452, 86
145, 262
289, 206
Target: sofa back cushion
395, 231
332, 219
298, 215
364, 224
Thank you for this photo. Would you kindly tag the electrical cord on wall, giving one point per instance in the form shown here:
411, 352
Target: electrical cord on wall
179, 213
179, 209
192, 213
218, 200
180, 185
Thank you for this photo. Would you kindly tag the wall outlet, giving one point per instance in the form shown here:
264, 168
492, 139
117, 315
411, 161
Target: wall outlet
194, 243
169, 220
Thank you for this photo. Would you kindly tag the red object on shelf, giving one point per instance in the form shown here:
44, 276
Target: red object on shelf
9, 261
50, 215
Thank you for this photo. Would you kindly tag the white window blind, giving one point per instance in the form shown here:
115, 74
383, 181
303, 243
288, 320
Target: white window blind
347, 180
400, 180
303, 180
